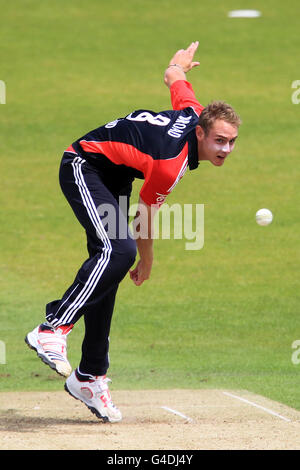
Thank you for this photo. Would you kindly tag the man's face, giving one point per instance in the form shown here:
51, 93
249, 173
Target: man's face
219, 142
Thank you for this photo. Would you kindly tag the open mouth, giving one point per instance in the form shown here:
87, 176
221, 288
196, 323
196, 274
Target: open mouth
219, 160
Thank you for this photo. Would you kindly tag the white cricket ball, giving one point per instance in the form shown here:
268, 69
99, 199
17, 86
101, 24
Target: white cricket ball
264, 217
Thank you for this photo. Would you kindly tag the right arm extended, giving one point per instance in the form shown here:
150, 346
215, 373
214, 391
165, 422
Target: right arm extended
143, 227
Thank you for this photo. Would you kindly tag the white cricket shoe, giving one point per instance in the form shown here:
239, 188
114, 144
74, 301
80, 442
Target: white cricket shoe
95, 395
50, 345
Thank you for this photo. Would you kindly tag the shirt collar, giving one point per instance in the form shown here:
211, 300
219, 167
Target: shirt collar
193, 150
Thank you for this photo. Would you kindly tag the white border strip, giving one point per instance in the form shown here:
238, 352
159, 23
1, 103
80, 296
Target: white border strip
177, 413
257, 406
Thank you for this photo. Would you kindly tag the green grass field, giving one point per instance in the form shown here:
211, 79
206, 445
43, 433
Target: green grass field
224, 316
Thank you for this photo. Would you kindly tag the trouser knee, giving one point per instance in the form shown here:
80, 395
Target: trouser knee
125, 254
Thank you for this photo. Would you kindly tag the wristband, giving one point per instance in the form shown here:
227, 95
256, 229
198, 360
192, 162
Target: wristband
176, 65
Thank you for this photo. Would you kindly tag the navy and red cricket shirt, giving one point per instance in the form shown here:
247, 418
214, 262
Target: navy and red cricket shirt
157, 147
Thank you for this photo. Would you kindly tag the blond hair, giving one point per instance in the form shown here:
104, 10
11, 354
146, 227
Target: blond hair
218, 110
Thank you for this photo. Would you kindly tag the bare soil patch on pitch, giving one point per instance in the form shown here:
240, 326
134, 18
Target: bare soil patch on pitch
207, 419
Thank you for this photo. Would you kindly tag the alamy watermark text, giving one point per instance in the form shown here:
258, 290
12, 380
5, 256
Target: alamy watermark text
296, 94
2, 352
2, 92
296, 353
176, 221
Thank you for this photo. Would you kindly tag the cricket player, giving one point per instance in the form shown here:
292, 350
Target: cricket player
96, 170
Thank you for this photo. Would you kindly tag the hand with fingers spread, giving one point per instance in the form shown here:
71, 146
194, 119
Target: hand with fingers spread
181, 63
184, 57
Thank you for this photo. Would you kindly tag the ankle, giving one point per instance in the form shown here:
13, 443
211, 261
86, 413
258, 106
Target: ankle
84, 376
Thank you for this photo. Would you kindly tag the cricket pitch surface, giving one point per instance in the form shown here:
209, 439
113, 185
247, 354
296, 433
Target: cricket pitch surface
152, 420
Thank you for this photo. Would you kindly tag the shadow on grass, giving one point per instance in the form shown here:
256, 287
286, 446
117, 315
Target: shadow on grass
12, 421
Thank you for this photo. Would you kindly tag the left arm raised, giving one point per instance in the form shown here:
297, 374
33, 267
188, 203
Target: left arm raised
181, 63
182, 93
